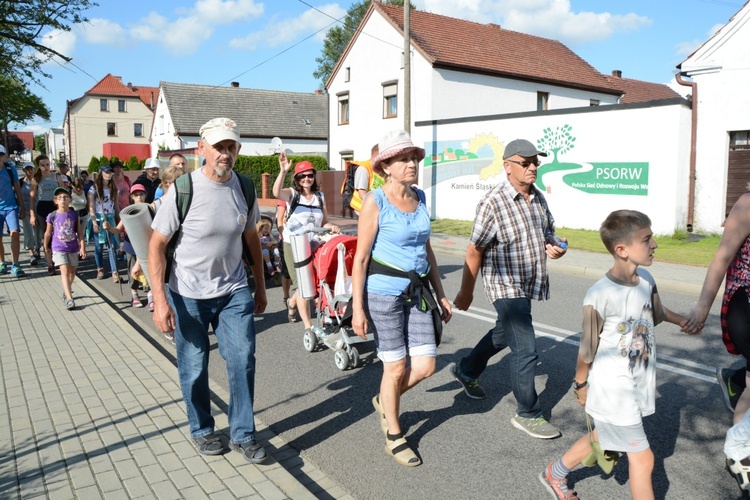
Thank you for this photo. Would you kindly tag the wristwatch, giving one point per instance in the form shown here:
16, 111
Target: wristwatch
577, 386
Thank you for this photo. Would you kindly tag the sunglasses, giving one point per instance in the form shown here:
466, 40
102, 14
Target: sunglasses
525, 164
306, 176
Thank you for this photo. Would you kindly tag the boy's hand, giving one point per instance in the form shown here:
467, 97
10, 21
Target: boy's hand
581, 395
82, 252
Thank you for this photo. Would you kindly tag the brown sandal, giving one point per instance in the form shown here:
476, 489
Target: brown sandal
291, 313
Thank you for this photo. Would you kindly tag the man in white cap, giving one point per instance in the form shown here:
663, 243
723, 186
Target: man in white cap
11, 211
150, 178
208, 286
508, 243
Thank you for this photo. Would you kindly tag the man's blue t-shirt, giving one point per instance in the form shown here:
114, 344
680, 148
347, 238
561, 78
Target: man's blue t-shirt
7, 193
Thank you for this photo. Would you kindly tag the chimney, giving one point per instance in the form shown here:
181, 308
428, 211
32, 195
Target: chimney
617, 73
318, 92
130, 86
236, 85
152, 100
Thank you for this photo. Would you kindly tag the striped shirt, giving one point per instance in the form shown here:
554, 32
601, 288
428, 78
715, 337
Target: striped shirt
511, 230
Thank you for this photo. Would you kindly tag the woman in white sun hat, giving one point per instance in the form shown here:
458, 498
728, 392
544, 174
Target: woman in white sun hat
393, 269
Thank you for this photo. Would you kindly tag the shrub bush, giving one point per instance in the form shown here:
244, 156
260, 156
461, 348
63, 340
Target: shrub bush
255, 166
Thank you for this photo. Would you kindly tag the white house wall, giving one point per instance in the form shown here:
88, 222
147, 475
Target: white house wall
487, 95
721, 69
262, 146
623, 158
162, 133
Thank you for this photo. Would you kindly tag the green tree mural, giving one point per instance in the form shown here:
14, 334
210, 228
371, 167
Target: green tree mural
556, 142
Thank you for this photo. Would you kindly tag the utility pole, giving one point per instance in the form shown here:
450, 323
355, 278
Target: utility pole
407, 69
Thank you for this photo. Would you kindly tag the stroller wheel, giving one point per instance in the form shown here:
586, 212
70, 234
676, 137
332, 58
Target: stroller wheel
310, 341
353, 357
341, 358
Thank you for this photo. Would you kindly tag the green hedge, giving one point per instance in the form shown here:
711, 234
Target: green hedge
255, 166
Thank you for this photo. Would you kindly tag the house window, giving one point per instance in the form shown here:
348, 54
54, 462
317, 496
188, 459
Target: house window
138, 129
347, 74
103, 105
542, 101
111, 129
347, 155
390, 100
343, 108
593, 102
121, 105
739, 139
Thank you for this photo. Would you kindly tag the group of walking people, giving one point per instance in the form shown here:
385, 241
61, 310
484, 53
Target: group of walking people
196, 263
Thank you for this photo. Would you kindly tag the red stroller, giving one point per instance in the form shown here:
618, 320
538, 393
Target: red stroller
332, 265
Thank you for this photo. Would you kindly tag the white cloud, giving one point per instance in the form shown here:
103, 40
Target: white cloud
63, 42
103, 32
181, 36
684, 49
548, 18
227, 11
283, 31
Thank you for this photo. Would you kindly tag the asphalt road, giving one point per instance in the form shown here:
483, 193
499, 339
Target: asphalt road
468, 447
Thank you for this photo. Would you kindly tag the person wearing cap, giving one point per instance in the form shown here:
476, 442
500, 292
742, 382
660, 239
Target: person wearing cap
11, 211
393, 270
207, 285
41, 198
104, 207
306, 210
508, 244
150, 178
63, 239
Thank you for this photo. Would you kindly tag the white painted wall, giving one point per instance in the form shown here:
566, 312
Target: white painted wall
55, 142
721, 68
262, 146
162, 132
657, 138
459, 94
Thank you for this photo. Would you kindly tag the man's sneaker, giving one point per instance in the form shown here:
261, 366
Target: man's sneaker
252, 451
210, 445
16, 271
536, 427
471, 386
33, 259
730, 391
3, 268
137, 302
558, 488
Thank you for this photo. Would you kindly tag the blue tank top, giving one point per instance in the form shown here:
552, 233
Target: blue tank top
401, 242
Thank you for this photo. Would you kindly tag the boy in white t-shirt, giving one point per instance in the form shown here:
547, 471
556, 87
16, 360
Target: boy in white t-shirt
615, 377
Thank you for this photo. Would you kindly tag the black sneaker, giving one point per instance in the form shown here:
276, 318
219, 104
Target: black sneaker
252, 451
730, 391
210, 445
471, 386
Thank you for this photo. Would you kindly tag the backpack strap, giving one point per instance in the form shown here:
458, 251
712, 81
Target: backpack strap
184, 186
248, 190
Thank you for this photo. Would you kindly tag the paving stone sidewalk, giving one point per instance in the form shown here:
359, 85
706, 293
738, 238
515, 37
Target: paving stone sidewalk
91, 409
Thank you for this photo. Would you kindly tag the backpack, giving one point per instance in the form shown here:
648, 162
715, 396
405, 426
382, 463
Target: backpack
184, 186
294, 203
349, 194
52, 218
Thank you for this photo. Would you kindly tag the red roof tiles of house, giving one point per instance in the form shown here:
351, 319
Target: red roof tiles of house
112, 86
640, 91
489, 49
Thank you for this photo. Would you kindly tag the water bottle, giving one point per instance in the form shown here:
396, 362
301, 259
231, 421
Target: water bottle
549, 237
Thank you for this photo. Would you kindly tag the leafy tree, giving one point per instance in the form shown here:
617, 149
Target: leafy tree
40, 143
103, 160
17, 104
14, 144
94, 164
23, 51
557, 142
338, 36
133, 163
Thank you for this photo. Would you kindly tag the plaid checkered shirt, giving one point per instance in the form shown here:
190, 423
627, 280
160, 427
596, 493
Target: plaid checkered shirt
511, 230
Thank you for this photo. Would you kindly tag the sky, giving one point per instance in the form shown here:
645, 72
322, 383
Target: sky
273, 44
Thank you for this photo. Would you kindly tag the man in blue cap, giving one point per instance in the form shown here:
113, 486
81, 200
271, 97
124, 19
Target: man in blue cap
508, 244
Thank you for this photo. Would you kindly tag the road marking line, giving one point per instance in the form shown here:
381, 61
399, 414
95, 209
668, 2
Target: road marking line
489, 317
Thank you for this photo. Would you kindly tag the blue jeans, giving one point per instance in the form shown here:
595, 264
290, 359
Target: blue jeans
512, 329
99, 250
232, 317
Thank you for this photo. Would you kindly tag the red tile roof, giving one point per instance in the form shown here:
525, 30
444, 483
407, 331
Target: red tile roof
489, 49
640, 91
112, 86
26, 137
